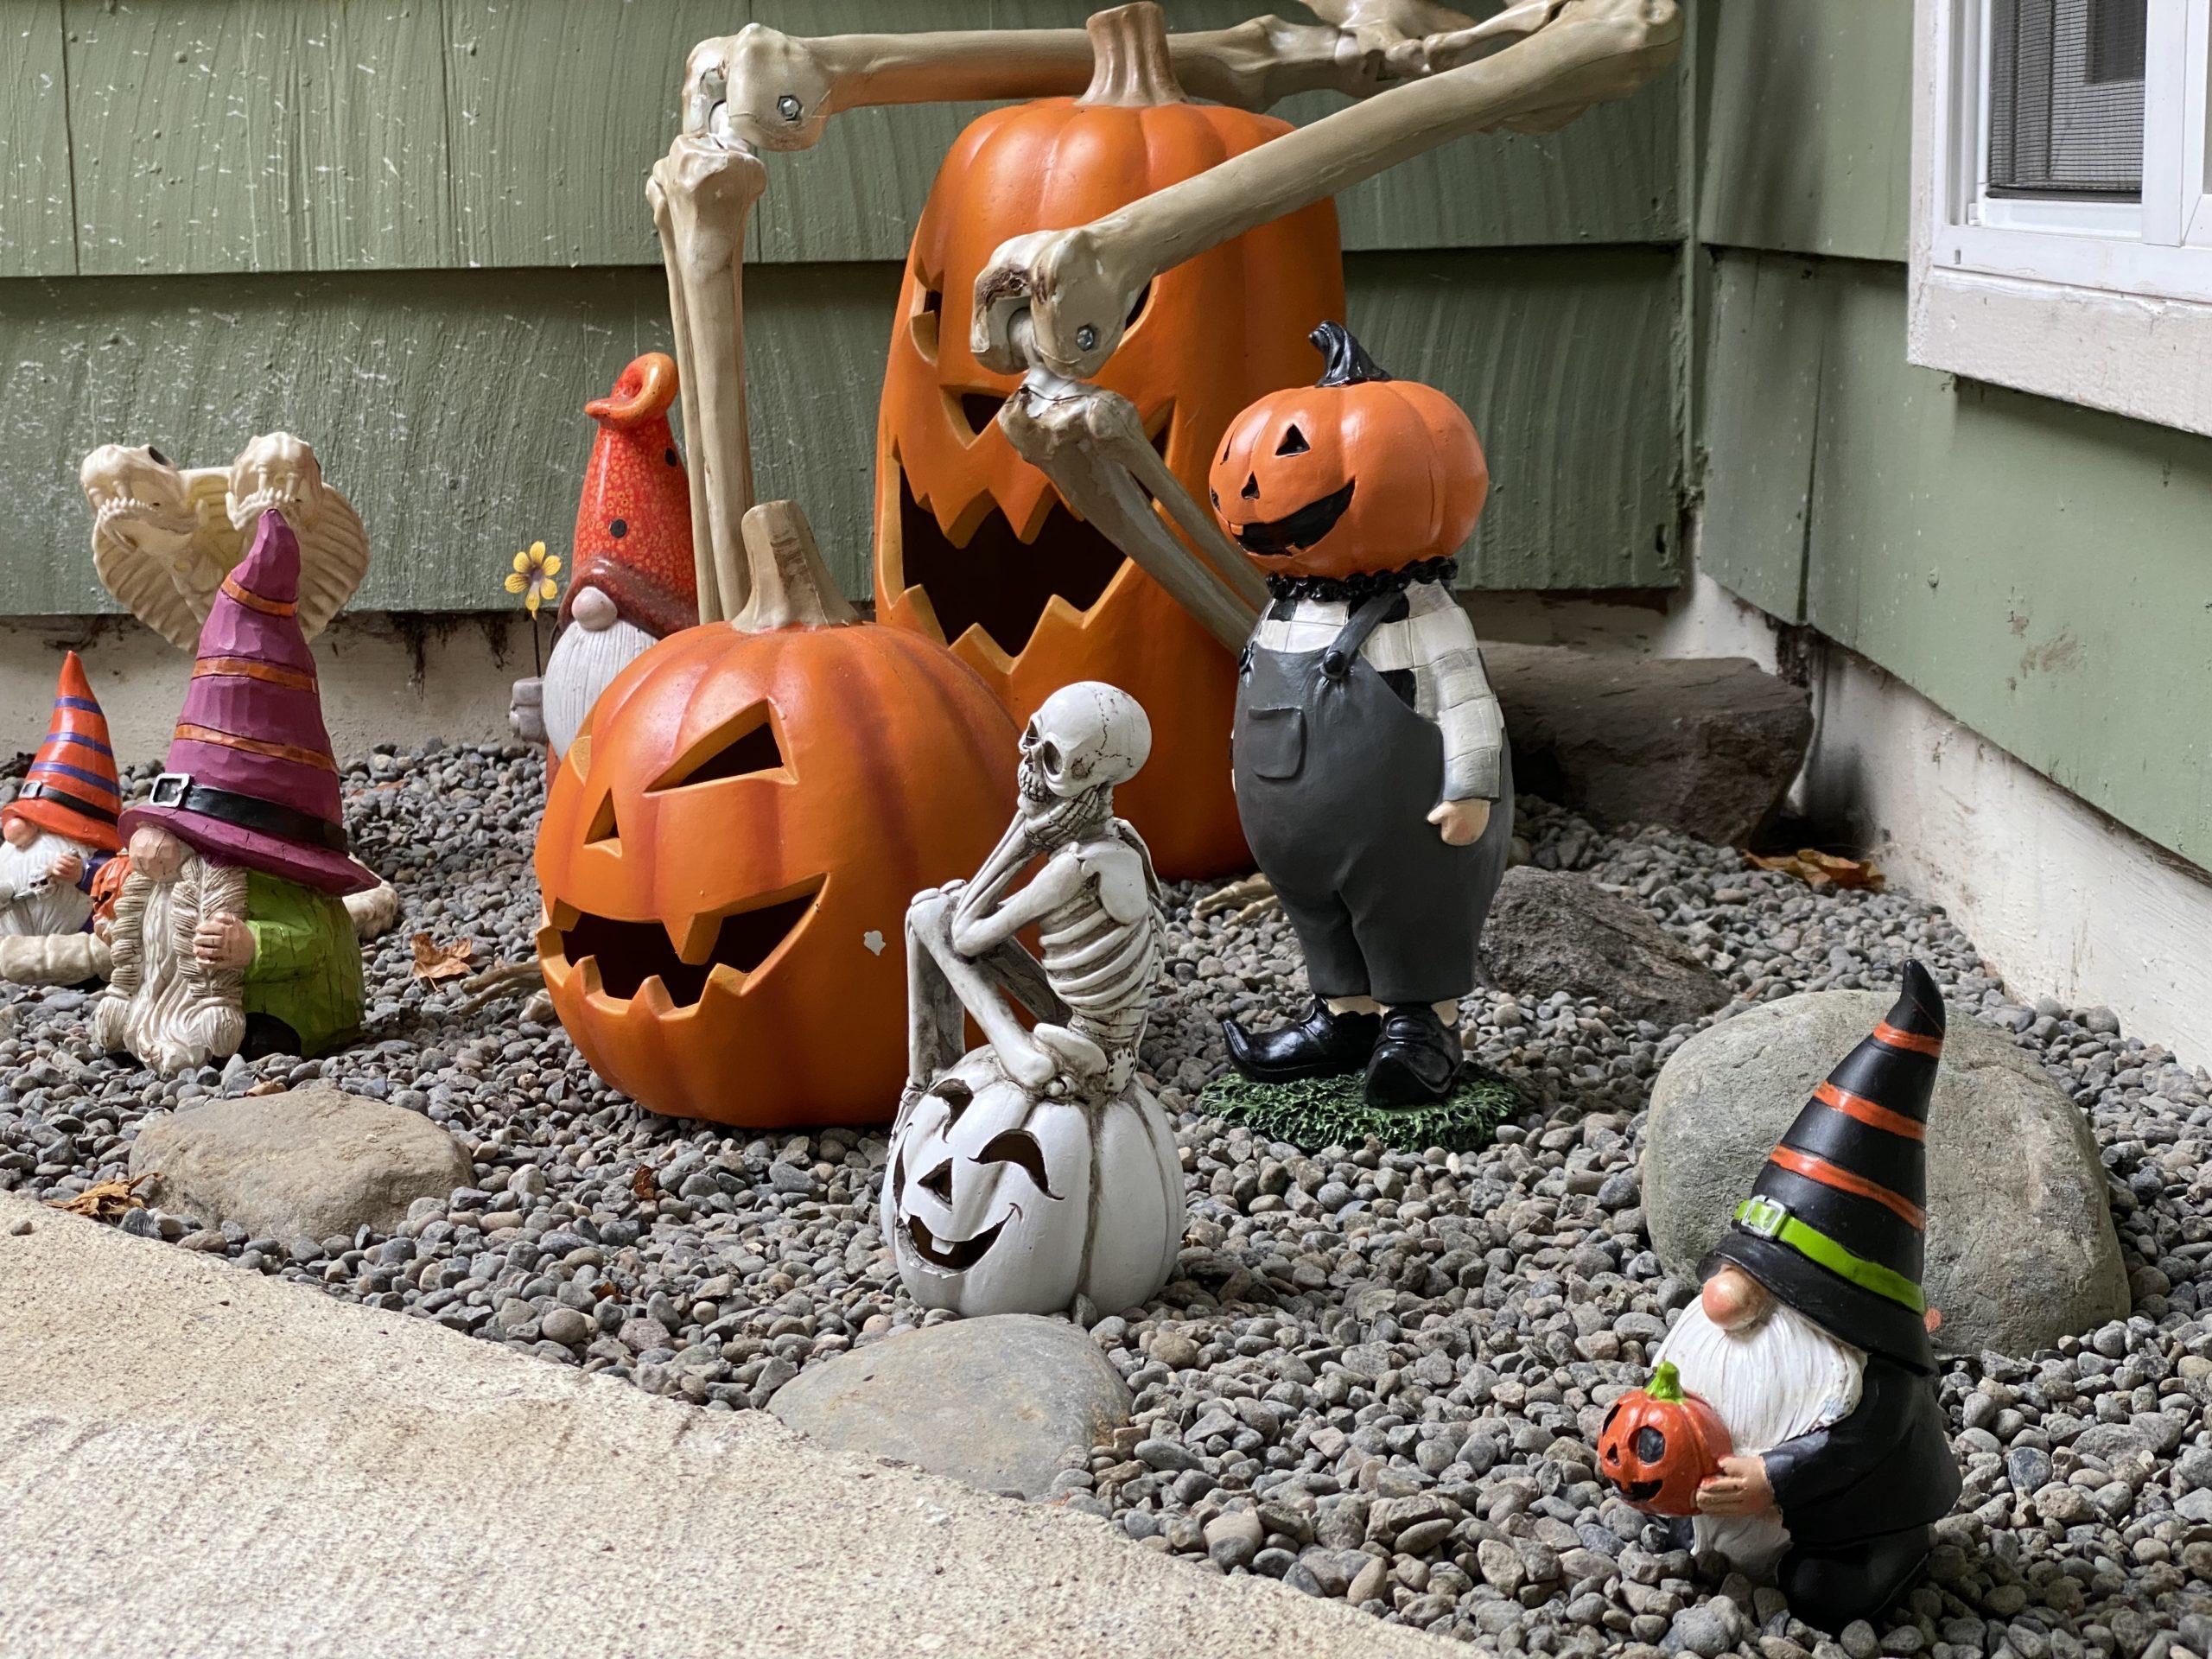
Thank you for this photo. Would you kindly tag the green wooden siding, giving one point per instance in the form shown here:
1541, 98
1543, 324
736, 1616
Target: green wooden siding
449, 409
36, 234
2038, 570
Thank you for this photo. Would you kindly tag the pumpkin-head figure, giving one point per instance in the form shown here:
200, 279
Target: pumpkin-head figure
973, 546
729, 845
999, 1202
1358, 473
1659, 1444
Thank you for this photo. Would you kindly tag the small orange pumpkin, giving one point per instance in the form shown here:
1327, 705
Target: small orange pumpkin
973, 546
1356, 473
729, 849
1659, 1444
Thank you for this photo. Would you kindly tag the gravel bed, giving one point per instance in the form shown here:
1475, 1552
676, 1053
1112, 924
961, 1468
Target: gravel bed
1376, 1374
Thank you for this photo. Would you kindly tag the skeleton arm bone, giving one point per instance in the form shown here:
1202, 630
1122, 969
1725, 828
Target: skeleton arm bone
978, 927
1077, 286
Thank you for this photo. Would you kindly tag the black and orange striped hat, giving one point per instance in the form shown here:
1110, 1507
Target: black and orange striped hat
1837, 1225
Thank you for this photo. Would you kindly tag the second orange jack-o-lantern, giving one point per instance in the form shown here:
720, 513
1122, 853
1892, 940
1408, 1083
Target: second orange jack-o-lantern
972, 544
1359, 474
1660, 1443
729, 849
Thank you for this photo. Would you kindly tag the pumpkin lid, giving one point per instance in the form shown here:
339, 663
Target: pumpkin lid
1344, 361
1132, 68
791, 588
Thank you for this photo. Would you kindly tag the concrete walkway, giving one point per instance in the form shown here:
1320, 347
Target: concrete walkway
195, 1460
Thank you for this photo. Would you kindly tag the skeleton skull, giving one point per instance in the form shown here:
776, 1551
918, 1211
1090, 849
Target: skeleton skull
138, 496
276, 470
1084, 737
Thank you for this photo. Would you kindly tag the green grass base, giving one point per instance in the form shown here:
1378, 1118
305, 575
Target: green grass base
1335, 1112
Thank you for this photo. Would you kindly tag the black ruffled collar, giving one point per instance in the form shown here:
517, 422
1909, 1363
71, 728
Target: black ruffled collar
1362, 584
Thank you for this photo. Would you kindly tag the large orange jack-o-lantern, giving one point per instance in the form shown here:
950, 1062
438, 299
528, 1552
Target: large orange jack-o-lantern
1659, 1444
1359, 473
729, 846
972, 544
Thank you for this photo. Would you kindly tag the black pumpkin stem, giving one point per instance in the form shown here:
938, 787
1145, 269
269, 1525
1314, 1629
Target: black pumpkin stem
1344, 361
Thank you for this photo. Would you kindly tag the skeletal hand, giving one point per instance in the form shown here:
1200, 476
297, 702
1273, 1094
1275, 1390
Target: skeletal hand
1461, 822
222, 943
1740, 1488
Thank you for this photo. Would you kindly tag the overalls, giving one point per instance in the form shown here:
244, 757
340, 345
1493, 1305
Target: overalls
1336, 776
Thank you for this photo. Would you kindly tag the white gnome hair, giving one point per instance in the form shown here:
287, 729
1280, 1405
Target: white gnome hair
1771, 1382
583, 664
58, 907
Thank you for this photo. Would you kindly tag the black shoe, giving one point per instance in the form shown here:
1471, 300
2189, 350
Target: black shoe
1323, 1045
1416, 1060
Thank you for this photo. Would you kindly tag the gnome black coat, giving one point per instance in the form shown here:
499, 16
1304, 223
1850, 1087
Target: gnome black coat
1885, 1467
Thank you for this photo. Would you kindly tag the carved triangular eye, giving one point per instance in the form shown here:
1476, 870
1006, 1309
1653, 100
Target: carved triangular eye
1293, 443
744, 747
604, 830
1019, 1148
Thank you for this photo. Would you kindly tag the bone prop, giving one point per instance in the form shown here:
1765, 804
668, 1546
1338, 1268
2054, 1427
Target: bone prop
1078, 285
702, 194
1091, 444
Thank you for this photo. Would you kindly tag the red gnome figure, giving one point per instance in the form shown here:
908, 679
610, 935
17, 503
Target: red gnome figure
59, 829
634, 583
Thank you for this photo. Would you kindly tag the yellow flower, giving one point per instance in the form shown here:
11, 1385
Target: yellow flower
533, 576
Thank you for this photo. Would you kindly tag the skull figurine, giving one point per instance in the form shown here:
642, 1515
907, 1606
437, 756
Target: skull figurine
276, 470
1084, 737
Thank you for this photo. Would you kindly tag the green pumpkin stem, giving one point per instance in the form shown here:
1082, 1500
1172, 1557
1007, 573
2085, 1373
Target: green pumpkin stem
1344, 361
1666, 1384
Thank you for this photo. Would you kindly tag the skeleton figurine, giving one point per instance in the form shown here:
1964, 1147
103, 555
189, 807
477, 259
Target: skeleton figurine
1038, 1168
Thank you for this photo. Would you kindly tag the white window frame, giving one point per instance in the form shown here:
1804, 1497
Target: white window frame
2104, 303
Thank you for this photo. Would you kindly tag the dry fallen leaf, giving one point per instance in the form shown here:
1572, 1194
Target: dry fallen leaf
434, 962
107, 1200
646, 1183
1818, 869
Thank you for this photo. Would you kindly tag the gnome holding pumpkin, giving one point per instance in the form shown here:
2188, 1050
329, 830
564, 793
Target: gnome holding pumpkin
60, 828
634, 581
1372, 776
1810, 1343
231, 933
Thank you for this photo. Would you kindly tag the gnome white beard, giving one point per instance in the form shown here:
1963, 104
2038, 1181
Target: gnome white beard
162, 1004
58, 907
1783, 1377
583, 663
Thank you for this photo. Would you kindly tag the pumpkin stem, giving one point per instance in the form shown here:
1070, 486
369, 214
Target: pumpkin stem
1131, 67
1666, 1384
1344, 361
792, 587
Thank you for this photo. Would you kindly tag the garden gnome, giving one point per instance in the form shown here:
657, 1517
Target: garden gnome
634, 581
231, 934
60, 828
1810, 1341
1372, 775
1039, 1168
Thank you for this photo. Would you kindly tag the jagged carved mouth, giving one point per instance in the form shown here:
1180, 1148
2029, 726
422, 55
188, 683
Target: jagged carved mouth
993, 579
954, 1256
620, 959
1639, 1492
1279, 538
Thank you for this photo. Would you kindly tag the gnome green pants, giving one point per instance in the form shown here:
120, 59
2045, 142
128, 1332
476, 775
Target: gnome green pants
306, 970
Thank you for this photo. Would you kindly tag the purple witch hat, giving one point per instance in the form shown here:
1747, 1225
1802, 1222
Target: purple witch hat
251, 777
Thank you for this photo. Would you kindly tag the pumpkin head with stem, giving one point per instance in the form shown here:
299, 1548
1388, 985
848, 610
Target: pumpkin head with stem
727, 850
973, 546
1660, 1443
1356, 473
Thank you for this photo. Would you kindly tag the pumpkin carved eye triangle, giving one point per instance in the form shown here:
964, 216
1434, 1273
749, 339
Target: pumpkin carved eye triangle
1294, 442
743, 747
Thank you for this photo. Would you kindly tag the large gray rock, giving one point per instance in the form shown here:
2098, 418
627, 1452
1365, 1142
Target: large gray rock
306, 1163
2021, 1249
1702, 745
1556, 931
996, 1402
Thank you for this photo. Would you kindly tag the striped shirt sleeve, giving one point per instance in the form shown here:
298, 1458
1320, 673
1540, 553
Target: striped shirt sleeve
1451, 688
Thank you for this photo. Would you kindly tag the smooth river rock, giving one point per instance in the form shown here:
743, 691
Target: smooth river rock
997, 1403
2021, 1249
1559, 930
304, 1163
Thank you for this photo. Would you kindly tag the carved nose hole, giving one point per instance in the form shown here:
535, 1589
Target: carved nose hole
939, 1181
1293, 443
1251, 490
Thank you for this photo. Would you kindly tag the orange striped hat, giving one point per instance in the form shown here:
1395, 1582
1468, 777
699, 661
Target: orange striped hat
71, 787
1837, 1225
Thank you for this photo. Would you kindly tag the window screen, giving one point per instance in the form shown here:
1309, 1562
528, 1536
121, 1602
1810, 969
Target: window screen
2066, 98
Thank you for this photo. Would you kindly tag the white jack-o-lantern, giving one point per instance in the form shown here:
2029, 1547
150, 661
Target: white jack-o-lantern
999, 1201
